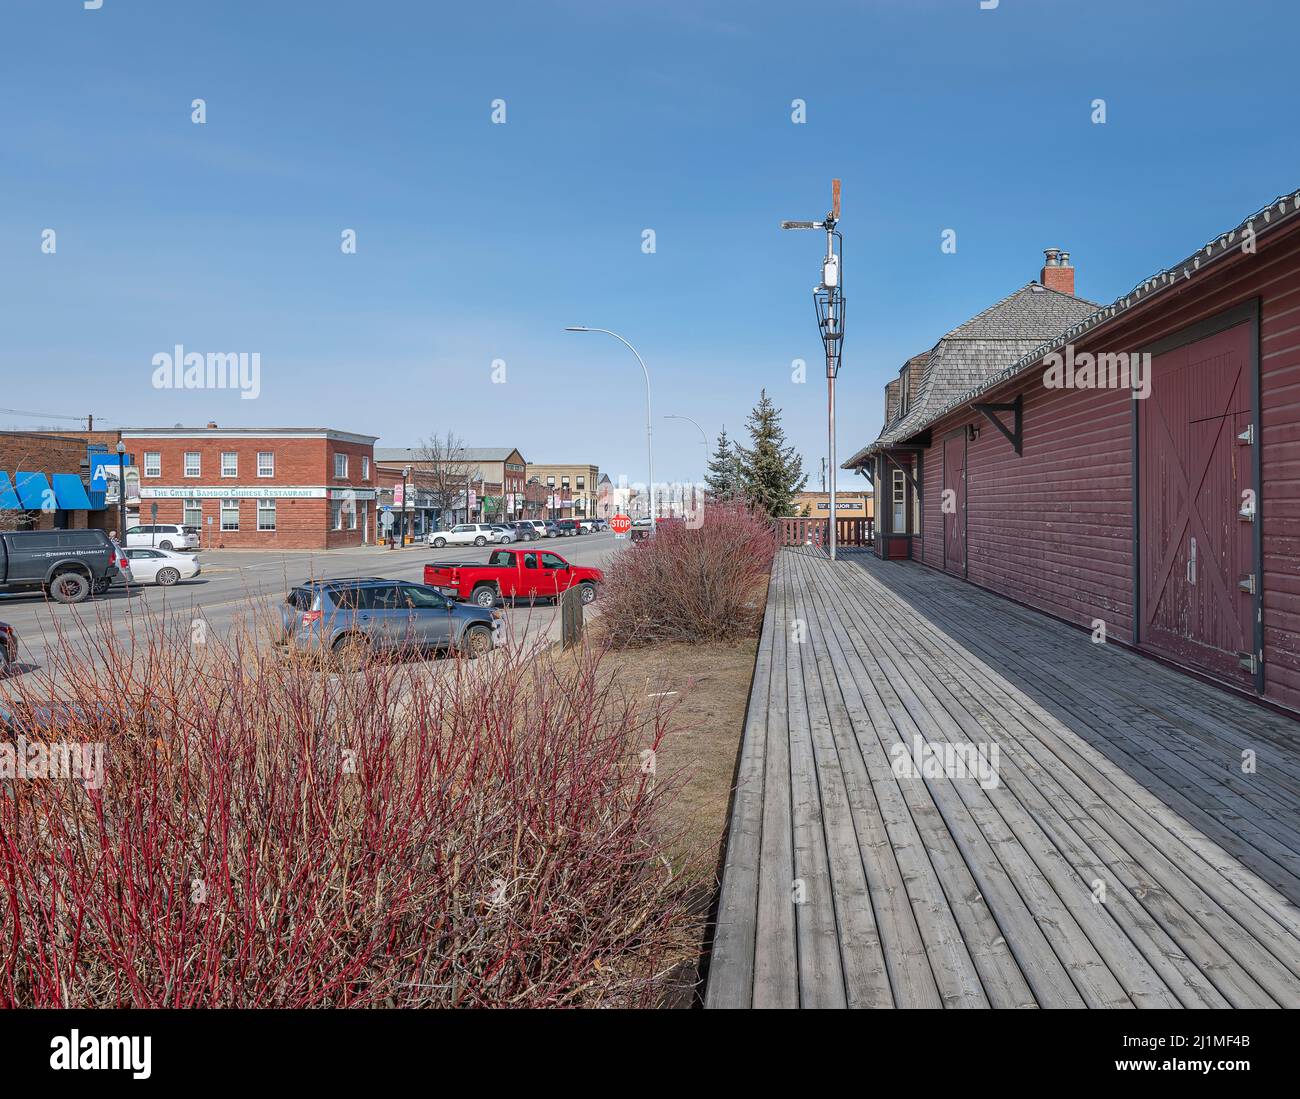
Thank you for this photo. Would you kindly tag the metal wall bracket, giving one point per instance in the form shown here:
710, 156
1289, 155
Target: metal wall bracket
1249, 662
1247, 583
1247, 437
1016, 407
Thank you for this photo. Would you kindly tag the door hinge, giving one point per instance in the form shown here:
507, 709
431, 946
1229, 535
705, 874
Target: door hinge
1249, 662
1247, 437
1247, 583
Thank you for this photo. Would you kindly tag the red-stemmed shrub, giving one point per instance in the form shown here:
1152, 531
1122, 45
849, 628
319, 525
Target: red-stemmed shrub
691, 583
269, 834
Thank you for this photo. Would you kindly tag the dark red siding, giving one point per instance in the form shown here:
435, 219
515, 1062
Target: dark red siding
1054, 528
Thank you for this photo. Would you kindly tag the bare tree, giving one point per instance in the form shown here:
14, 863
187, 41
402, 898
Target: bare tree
443, 460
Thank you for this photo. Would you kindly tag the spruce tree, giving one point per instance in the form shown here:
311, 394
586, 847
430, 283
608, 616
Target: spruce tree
771, 472
723, 477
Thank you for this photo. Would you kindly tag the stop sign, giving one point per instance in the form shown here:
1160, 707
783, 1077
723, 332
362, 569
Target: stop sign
620, 524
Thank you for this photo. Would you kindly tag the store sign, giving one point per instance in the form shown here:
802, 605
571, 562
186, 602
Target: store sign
840, 505
104, 469
237, 492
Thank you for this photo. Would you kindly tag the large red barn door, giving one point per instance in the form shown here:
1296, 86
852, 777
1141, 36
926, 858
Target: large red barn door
953, 504
1194, 471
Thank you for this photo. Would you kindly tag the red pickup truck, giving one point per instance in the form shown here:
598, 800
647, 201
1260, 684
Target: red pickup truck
512, 574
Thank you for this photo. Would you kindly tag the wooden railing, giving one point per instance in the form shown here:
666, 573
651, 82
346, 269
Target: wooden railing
816, 532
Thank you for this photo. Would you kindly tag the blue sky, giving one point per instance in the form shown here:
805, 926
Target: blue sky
479, 242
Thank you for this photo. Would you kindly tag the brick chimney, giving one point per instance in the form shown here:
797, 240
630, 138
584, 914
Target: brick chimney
1057, 272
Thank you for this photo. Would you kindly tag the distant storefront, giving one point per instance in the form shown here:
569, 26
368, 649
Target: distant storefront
848, 505
42, 484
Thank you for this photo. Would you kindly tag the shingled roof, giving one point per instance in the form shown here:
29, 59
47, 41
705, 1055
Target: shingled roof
975, 351
935, 403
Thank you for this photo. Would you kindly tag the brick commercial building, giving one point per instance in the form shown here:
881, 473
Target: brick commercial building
42, 483
493, 477
258, 488
571, 490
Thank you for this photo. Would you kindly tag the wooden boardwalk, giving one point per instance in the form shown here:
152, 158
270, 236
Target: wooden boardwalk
1105, 849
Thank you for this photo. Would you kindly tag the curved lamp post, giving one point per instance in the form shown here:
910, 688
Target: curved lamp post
703, 437
649, 440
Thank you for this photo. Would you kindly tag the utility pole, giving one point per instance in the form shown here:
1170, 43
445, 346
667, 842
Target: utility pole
828, 298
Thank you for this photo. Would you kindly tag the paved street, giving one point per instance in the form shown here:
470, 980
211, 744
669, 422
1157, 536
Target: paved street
239, 585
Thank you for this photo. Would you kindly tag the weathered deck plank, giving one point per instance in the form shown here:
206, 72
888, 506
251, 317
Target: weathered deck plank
934, 888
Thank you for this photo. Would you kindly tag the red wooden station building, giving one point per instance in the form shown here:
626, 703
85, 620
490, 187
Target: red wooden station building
1136, 463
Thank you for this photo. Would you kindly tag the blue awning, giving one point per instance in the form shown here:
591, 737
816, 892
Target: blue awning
69, 492
32, 489
8, 497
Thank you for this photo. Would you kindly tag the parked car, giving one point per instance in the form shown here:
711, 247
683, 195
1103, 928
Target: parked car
568, 528
505, 533
68, 565
352, 619
162, 567
465, 534
644, 521
551, 527
525, 531
588, 526
163, 536
8, 646
512, 574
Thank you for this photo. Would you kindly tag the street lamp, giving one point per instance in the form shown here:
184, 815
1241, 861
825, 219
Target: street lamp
828, 300
121, 490
703, 437
649, 440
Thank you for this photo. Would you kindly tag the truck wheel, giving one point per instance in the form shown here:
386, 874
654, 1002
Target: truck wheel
480, 541
167, 577
438, 543
165, 546
587, 593
103, 584
478, 641
69, 587
484, 595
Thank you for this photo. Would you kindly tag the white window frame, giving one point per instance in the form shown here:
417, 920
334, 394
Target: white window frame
197, 455
270, 468
190, 505
226, 505
898, 501
266, 504
234, 470
340, 463
365, 468
152, 463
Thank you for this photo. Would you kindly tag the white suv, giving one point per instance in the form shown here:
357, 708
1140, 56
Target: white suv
465, 534
163, 536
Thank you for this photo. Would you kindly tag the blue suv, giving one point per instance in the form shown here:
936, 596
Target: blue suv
354, 618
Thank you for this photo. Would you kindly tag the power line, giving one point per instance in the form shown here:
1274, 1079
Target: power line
47, 415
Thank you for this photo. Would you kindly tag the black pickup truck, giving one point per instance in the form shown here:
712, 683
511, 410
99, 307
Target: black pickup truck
66, 564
